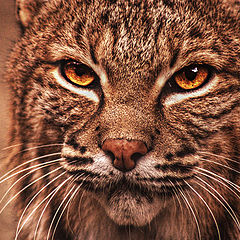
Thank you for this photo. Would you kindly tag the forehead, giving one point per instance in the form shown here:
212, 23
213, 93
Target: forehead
135, 27
128, 37
129, 33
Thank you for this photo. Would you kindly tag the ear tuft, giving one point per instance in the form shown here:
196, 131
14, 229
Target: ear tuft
26, 10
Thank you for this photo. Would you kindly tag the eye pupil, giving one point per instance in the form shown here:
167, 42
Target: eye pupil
78, 74
191, 73
192, 77
79, 71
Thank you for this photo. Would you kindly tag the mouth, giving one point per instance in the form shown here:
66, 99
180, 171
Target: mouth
129, 201
138, 186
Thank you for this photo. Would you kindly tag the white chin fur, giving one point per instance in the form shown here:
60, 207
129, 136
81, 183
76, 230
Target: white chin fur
126, 208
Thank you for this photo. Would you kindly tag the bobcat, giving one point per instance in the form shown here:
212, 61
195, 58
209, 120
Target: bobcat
125, 120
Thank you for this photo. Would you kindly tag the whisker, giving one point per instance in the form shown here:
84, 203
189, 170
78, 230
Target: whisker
197, 215
38, 179
28, 149
219, 156
209, 209
192, 211
217, 180
58, 209
235, 186
68, 202
43, 211
176, 194
29, 161
31, 167
67, 217
12, 146
41, 166
220, 164
175, 202
80, 202
225, 204
29, 203
35, 209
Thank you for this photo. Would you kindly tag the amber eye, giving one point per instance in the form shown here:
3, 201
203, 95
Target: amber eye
78, 73
192, 77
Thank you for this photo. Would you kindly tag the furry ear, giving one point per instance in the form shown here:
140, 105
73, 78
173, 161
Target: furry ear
26, 9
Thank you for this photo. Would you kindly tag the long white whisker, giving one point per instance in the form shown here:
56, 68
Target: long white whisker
35, 209
176, 194
197, 215
217, 180
235, 186
224, 203
3, 179
29, 203
30, 184
12, 146
191, 209
175, 201
80, 202
55, 215
44, 209
209, 209
219, 156
220, 164
67, 217
68, 202
58, 209
28, 149
40, 166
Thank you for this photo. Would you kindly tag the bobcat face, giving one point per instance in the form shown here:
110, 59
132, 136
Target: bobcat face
126, 142
129, 149
142, 97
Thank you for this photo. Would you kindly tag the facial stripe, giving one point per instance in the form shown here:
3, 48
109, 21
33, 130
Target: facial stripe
158, 86
106, 87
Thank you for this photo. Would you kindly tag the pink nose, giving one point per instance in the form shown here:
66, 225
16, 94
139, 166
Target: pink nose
125, 152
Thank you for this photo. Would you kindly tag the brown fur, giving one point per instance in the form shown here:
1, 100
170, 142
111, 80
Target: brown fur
135, 47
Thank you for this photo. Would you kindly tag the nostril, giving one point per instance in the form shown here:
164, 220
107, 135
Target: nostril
111, 155
136, 156
124, 153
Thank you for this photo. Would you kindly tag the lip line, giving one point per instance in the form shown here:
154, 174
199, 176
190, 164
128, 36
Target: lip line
125, 185
167, 179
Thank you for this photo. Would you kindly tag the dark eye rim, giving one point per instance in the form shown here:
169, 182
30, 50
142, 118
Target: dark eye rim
211, 72
92, 85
